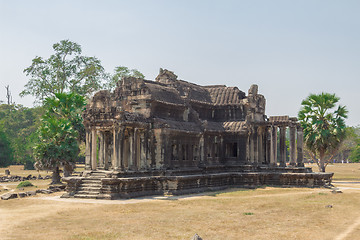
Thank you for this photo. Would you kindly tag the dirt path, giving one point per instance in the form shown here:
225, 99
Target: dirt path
156, 198
349, 230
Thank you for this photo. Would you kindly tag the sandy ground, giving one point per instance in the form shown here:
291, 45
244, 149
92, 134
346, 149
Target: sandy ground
36, 211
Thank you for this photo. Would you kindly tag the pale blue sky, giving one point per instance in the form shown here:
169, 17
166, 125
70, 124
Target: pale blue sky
288, 48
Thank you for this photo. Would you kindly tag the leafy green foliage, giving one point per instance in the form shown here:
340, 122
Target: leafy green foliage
57, 144
59, 133
24, 184
355, 154
68, 106
6, 152
64, 71
19, 125
120, 73
324, 127
248, 213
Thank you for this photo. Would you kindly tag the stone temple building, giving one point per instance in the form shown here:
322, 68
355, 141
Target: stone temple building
172, 136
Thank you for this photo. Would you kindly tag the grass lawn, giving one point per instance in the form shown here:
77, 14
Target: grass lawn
342, 172
263, 213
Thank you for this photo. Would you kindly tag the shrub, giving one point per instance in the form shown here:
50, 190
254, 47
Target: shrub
25, 184
248, 213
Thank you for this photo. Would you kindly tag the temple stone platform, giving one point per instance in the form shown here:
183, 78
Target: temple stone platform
116, 185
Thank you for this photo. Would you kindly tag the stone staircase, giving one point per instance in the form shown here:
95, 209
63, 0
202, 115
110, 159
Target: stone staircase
90, 186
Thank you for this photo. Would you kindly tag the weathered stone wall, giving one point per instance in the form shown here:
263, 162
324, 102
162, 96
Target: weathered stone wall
113, 188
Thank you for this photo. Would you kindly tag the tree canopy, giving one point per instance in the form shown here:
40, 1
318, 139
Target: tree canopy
59, 133
324, 126
64, 71
6, 155
19, 125
120, 73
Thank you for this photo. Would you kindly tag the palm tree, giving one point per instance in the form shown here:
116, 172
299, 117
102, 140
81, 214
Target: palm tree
59, 133
324, 127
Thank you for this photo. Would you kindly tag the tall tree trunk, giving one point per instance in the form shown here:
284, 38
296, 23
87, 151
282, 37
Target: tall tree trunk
68, 169
56, 176
322, 161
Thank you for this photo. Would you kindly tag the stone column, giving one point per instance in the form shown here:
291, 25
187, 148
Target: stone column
107, 153
132, 149
120, 148
300, 156
251, 146
202, 150
247, 148
260, 145
88, 150
273, 157
142, 151
269, 146
255, 146
101, 150
93, 149
282, 146
292, 146
115, 156
136, 149
126, 150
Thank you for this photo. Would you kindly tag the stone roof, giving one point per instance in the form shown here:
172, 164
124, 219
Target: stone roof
222, 95
279, 119
164, 93
235, 126
167, 88
177, 125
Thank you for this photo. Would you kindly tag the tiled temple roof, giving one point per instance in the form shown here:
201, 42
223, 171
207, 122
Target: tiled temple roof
164, 93
179, 91
222, 95
236, 126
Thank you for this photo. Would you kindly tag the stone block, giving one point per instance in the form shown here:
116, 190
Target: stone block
31, 193
9, 196
22, 194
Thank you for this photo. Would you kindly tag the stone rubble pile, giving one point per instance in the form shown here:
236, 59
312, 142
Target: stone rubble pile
15, 178
50, 190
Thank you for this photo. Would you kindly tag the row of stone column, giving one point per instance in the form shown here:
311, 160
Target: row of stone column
122, 151
262, 145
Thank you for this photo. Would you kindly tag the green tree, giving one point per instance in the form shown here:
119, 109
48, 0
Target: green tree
120, 73
355, 150
6, 155
19, 124
57, 146
59, 134
324, 126
355, 154
64, 71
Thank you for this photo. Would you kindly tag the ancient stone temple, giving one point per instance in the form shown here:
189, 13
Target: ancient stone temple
172, 136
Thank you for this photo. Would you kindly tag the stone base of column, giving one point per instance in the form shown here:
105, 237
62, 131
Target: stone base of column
300, 165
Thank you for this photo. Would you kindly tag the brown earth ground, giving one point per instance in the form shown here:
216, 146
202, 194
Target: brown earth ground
263, 213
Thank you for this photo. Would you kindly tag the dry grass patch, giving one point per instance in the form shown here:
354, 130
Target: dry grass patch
19, 171
277, 214
346, 171
263, 213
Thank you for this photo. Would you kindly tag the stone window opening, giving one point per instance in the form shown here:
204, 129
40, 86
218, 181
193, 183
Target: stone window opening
216, 150
231, 150
234, 150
